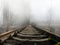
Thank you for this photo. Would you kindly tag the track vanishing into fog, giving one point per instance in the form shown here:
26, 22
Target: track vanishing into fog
27, 36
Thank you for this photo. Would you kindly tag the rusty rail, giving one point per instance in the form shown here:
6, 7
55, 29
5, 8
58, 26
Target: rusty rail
5, 35
46, 30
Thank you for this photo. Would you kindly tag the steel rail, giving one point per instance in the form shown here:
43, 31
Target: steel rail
5, 35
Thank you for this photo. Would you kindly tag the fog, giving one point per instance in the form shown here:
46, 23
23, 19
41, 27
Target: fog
40, 13
14, 14
44, 14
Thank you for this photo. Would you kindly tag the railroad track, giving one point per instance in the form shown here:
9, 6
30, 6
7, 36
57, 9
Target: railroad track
27, 36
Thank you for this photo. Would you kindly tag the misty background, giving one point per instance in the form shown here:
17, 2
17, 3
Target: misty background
44, 14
